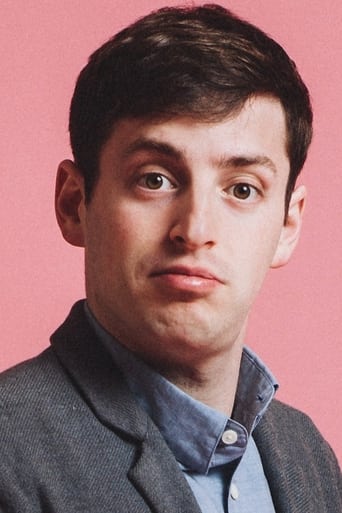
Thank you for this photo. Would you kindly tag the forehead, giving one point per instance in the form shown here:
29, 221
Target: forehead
259, 128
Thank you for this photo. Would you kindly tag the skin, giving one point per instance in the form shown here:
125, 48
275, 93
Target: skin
185, 221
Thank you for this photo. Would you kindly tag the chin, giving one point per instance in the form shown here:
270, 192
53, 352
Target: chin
187, 337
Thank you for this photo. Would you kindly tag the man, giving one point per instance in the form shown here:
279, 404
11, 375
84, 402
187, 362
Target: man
188, 129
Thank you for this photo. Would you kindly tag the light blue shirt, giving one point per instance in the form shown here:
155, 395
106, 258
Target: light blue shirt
216, 453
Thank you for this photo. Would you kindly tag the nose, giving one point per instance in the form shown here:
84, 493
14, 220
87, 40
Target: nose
196, 222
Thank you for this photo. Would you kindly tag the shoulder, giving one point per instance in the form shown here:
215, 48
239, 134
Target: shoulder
32, 403
293, 425
33, 394
32, 379
23, 381
49, 434
280, 413
298, 462
289, 427
42, 381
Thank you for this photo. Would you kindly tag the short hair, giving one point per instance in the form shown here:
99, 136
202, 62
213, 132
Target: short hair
199, 61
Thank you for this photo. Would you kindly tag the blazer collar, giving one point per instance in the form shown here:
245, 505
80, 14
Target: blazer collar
155, 473
94, 373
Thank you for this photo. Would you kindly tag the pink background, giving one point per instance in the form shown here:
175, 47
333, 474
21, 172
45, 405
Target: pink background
296, 325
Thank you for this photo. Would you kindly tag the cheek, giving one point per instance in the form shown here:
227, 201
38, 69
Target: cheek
113, 227
257, 247
126, 240
265, 246
141, 225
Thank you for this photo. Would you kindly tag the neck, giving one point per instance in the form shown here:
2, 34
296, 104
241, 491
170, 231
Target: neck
212, 382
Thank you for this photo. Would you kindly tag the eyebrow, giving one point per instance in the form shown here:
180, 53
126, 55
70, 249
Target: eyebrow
152, 145
223, 162
237, 161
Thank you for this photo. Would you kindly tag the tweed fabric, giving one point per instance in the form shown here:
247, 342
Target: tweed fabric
73, 439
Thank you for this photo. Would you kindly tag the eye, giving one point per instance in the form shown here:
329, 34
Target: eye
155, 181
244, 191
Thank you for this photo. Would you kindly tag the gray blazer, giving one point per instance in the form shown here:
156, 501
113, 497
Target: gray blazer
73, 439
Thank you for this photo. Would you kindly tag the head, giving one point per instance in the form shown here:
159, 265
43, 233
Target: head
203, 62
189, 129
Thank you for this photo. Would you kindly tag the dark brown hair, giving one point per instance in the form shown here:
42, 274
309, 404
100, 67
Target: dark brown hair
203, 62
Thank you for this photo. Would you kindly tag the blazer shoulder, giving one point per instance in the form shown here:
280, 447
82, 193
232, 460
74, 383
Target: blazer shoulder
33, 392
27, 377
300, 465
295, 427
36, 379
282, 412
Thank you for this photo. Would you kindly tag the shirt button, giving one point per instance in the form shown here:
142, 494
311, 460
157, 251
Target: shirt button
229, 437
234, 492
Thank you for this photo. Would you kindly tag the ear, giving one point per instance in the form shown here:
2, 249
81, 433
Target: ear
70, 203
291, 230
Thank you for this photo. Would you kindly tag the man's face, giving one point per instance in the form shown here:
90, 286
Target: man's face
184, 222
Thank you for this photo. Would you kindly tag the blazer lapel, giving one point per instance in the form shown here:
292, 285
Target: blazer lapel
159, 479
92, 369
155, 473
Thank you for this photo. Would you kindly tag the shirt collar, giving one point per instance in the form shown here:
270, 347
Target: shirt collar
193, 430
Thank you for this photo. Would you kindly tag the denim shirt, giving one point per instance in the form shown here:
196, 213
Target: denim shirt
216, 453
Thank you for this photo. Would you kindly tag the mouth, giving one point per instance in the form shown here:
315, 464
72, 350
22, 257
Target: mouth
199, 272
195, 280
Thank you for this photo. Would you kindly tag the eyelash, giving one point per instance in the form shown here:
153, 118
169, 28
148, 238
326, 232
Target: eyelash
143, 181
251, 191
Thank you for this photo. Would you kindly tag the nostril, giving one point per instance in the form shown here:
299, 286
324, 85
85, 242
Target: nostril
179, 239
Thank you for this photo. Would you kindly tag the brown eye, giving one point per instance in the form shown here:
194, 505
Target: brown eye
242, 191
155, 181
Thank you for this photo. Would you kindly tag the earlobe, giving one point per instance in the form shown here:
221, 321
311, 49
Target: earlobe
69, 202
291, 230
